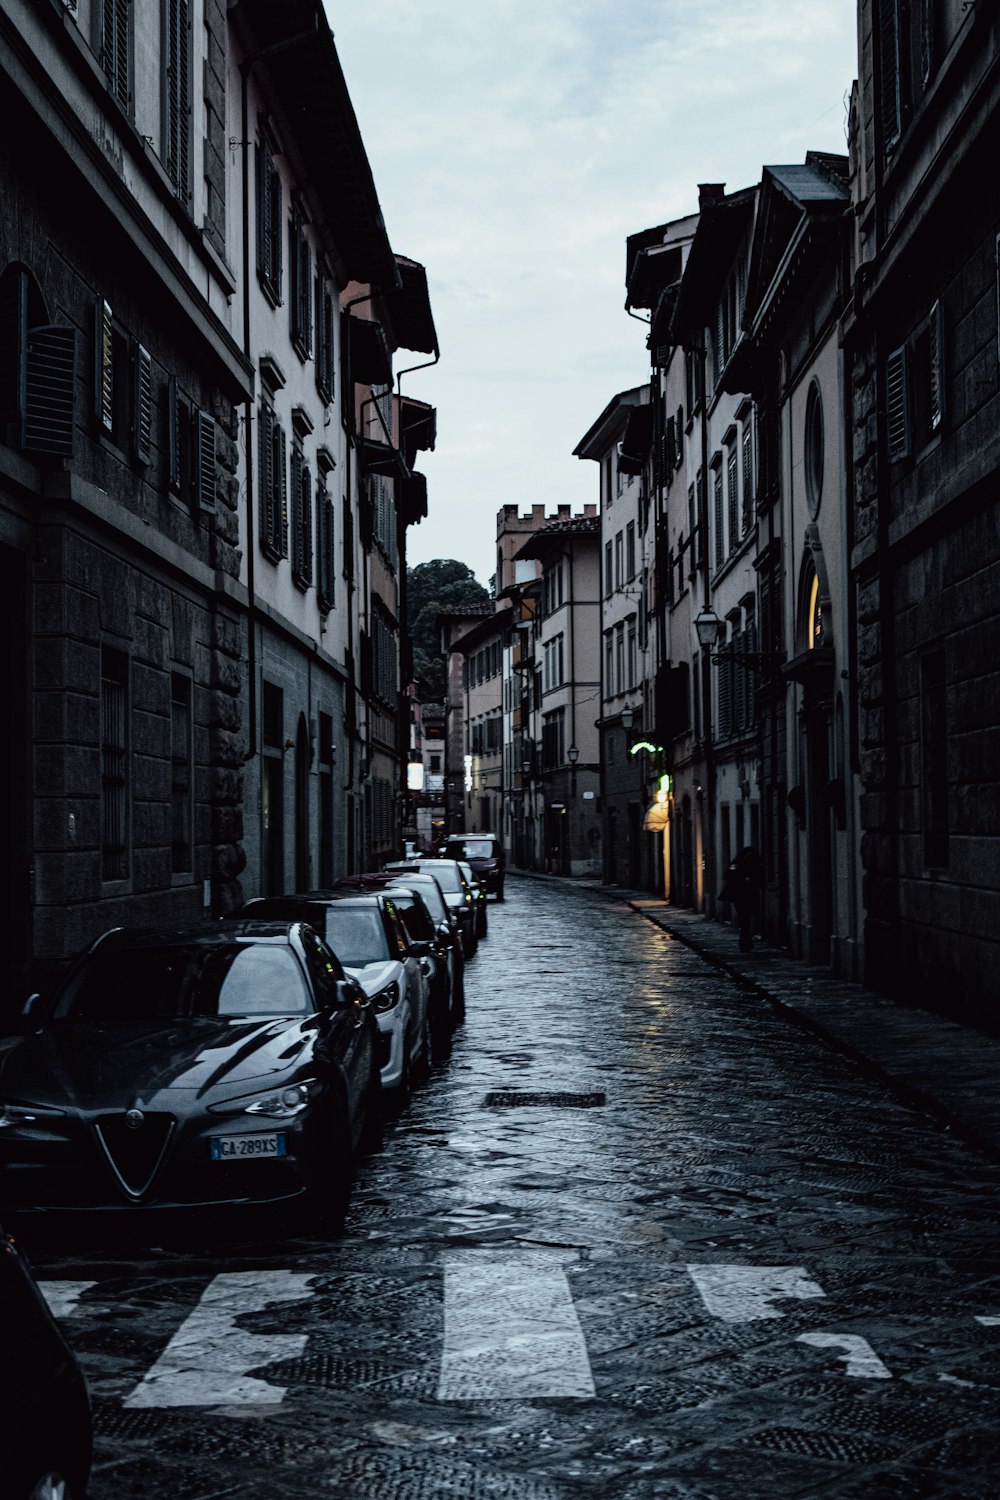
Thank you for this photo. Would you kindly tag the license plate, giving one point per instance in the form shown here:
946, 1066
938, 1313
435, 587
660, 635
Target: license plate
244, 1147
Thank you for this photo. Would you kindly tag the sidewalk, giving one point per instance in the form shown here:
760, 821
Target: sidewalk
945, 1067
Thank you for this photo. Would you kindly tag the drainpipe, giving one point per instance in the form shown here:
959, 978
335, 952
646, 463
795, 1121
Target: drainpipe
248, 428
708, 850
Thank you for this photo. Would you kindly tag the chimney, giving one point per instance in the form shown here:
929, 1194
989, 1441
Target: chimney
538, 512
710, 192
562, 510
590, 510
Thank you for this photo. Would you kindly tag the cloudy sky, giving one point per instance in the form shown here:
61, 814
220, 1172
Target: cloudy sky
515, 144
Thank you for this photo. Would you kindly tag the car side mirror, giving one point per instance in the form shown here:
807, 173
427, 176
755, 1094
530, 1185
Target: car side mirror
30, 1012
347, 993
420, 949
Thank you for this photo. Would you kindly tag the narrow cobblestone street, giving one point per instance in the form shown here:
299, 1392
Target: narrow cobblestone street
640, 1236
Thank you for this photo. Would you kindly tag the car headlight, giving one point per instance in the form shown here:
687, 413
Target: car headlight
388, 998
280, 1104
13, 1115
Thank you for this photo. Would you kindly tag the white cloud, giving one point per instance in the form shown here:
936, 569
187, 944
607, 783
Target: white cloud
515, 144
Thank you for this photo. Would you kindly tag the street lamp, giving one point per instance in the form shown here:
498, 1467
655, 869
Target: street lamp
707, 625
626, 716
572, 755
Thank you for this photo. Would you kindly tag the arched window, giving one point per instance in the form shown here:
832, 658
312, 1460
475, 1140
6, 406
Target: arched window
37, 370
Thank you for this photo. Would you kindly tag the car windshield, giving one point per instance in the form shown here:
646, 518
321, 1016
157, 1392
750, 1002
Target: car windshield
416, 922
433, 900
356, 935
448, 876
139, 985
472, 849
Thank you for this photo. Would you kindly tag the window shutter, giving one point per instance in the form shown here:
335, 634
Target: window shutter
173, 437
935, 373
928, 39
720, 544
305, 293
889, 70
205, 439
178, 91
748, 486
282, 493
265, 483
261, 189
897, 404
296, 511
50, 390
307, 546
275, 207
142, 404
104, 382
115, 48
13, 368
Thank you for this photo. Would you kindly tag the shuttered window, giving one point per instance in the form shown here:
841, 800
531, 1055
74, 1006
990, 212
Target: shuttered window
142, 404
272, 487
301, 483
104, 371
720, 540
268, 219
748, 485
897, 404
116, 26
299, 285
890, 70
325, 326
326, 541
203, 436
732, 500
935, 368
177, 97
50, 391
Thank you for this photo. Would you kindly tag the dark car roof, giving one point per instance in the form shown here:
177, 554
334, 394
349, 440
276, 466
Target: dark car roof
317, 899
234, 930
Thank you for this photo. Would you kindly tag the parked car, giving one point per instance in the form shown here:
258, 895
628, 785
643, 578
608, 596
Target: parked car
439, 952
457, 894
46, 1451
413, 878
478, 888
484, 852
363, 928
229, 1063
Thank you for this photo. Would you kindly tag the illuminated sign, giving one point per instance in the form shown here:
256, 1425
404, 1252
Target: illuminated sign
415, 776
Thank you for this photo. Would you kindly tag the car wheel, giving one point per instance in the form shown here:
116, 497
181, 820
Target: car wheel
52, 1485
499, 892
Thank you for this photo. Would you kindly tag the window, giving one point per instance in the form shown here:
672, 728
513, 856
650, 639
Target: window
116, 49
302, 555
269, 214
630, 550
325, 333
114, 764
934, 758
553, 664
299, 285
915, 388
732, 500
609, 664
190, 451
552, 588
630, 654
553, 739
326, 547
272, 484
748, 485
619, 559
38, 375
620, 657
813, 449
908, 45
609, 574
177, 96
720, 541
180, 774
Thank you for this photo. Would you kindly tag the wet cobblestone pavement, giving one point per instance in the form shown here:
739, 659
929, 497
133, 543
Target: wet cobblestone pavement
639, 1237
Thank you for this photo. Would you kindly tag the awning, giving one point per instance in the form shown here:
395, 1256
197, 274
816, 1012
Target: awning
637, 440
382, 458
411, 498
371, 362
409, 309
417, 427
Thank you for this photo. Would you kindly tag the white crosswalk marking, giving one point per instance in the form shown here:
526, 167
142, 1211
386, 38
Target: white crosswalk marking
859, 1356
63, 1296
511, 1331
741, 1294
206, 1361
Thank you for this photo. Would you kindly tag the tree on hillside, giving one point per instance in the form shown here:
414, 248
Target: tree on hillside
433, 588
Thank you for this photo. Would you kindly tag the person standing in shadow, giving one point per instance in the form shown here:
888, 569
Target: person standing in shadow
742, 887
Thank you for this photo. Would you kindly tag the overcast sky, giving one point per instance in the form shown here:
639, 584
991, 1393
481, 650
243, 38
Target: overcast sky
515, 144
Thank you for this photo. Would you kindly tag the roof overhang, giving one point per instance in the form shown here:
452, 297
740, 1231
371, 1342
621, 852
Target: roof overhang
637, 440
417, 423
610, 425
295, 49
721, 226
656, 267
411, 498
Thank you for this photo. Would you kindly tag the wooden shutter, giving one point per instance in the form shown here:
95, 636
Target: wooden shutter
281, 493
897, 403
261, 190
50, 390
265, 477
306, 523
104, 366
890, 89
935, 370
115, 48
204, 435
142, 404
178, 103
